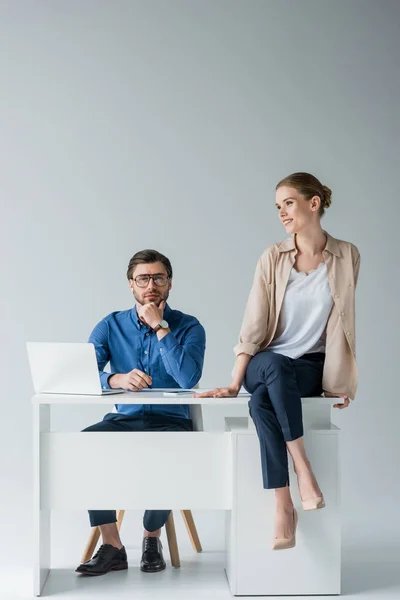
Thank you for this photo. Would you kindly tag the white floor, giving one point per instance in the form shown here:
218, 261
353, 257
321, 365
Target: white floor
370, 571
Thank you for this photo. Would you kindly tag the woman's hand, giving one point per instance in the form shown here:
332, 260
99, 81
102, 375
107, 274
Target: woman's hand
345, 403
340, 406
224, 392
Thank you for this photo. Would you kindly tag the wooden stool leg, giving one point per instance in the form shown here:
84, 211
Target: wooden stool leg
91, 545
120, 517
172, 543
191, 528
94, 538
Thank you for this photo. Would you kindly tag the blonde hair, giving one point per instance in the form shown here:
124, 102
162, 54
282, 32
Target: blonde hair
309, 186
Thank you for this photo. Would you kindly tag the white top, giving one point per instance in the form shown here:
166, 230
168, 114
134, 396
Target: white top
305, 310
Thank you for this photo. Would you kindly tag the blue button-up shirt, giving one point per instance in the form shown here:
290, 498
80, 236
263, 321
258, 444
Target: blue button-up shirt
174, 361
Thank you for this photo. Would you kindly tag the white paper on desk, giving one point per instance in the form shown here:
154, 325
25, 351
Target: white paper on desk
180, 393
194, 391
173, 391
160, 390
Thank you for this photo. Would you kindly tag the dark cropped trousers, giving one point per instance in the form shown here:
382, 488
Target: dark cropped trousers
276, 384
152, 519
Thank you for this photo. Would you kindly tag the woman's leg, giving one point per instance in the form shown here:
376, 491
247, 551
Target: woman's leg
275, 419
274, 459
308, 371
276, 410
275, 407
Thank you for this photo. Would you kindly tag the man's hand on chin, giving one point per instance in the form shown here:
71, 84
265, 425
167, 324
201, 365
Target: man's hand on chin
150, 314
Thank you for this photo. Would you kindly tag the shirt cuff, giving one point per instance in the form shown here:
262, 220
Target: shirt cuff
167, 343
104, 377
246, 348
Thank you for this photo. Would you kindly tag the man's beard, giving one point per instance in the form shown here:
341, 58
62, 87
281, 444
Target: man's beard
156, 302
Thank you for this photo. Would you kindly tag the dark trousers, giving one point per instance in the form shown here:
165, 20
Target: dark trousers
153, 519
276, 384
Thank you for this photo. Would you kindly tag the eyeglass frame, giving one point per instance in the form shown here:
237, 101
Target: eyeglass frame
151, 277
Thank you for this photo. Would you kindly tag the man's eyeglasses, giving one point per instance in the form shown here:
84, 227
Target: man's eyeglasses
160, 280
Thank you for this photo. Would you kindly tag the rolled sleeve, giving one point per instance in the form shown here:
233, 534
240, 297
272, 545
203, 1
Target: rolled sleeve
246, 348
255, 321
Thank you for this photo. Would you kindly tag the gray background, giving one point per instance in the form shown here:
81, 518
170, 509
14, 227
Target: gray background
126, 125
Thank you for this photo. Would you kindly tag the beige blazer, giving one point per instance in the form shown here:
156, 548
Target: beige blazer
340, 375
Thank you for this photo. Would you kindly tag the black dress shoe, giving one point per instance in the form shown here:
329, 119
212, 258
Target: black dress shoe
152, 557
107, 558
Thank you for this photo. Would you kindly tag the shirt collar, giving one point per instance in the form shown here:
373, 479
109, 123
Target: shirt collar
331, 245
138, 323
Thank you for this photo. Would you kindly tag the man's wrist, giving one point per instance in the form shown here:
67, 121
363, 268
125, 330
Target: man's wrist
113, 381
161, 324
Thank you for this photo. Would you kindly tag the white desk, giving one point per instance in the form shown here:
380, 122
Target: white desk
226, 475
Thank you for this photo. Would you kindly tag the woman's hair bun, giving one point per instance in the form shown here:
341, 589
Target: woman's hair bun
327, 199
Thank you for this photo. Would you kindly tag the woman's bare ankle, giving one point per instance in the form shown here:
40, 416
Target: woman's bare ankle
283, 499
302, 466
284, 508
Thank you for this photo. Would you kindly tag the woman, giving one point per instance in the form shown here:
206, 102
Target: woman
297, 339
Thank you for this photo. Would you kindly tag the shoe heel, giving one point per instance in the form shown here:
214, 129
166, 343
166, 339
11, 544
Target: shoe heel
119, 567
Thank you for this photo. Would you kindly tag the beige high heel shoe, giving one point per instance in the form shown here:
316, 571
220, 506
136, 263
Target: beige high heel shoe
313, 503
286, 543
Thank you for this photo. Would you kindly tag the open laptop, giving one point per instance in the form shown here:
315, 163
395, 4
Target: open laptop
65, 368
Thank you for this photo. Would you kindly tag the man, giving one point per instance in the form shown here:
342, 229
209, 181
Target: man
150, 345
